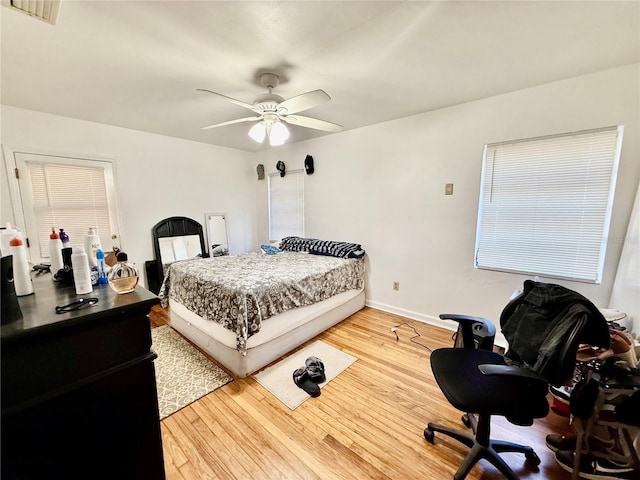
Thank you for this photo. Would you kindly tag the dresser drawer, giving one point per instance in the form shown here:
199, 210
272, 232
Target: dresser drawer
37, 368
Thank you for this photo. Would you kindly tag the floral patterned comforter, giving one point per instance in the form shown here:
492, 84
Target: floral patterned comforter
241, 291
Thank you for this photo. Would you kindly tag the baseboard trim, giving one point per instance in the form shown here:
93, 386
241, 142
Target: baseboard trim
429, 319
421, 317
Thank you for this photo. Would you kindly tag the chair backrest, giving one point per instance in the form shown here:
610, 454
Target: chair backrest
545, 325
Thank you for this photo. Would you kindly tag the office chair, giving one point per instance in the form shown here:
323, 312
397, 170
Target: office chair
544, 326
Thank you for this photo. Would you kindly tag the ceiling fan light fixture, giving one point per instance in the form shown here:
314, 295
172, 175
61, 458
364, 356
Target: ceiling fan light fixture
258, 132
279, 134
272, 110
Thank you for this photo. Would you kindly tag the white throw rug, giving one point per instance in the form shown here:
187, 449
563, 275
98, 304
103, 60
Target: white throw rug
183, 373
278, 378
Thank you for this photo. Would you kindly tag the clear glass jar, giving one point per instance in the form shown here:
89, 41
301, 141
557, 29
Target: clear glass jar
123, 277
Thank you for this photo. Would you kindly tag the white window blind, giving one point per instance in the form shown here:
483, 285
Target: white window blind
286, 205
73, 194
545, 204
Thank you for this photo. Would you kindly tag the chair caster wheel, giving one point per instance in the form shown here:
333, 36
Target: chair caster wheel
465, 420
532, 457
429, 435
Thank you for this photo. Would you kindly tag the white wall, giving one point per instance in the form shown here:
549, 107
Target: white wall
156, 176
383, 186
626, 288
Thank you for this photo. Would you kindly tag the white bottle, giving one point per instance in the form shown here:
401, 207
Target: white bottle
6, 235
93, 245
55, 253
81, 271
21, 276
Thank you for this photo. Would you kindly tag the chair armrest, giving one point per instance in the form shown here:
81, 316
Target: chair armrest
469, 325
467, 319
511, 371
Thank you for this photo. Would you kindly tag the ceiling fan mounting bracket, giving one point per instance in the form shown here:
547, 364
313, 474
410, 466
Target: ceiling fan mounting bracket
269, 80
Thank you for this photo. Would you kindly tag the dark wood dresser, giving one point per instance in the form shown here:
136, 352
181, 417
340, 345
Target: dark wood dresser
78, 394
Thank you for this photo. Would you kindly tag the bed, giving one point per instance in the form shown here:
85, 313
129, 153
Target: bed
250, 309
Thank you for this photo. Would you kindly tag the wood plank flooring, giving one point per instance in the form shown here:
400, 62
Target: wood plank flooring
366, 424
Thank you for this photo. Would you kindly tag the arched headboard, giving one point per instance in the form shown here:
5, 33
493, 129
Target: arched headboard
173, 227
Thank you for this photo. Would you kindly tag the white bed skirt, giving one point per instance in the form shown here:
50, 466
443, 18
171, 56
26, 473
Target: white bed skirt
278, 335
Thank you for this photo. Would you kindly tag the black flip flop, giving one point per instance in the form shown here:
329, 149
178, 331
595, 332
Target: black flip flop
302, 380
315, 367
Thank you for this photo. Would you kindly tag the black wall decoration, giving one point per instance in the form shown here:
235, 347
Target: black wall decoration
260, 171
280, 167
308, 164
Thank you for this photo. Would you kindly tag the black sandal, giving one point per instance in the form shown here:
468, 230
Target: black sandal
301, 379
315, 367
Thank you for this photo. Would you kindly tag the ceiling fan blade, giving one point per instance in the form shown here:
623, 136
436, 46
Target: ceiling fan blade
231, 122
232, 100
304, 101
309, 122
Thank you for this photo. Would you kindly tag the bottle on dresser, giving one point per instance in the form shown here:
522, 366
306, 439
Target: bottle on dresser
92, 245
21, 269
81, 270
55, 254
64, 238
102, 268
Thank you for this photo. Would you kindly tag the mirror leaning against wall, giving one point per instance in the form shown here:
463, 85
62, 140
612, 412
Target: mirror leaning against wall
216, 232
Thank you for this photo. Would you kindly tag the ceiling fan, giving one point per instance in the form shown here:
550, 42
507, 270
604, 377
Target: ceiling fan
273, 110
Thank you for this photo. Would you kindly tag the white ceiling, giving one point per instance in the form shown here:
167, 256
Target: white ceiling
137, 64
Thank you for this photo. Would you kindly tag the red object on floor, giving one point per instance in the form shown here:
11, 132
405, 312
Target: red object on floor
559, 406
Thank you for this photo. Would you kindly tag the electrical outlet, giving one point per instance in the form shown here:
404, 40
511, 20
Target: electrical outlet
448, 189
396, 286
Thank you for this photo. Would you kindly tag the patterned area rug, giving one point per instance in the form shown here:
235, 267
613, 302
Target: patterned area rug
183, 374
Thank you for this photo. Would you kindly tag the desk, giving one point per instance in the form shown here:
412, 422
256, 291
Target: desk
79, 396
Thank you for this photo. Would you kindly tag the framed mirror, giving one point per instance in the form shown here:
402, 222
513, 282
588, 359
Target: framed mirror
174, 238
216, 231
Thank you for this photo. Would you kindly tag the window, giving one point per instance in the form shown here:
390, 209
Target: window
69, 193
545, 204
286, 205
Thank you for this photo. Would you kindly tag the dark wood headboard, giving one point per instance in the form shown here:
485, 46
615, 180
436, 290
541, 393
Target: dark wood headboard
170, 227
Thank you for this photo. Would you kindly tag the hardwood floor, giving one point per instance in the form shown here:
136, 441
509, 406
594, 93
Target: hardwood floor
366, 424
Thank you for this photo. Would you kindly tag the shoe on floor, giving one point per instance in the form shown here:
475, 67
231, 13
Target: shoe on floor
596, 469
302, 380
315, 367
602, 469
561, 442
